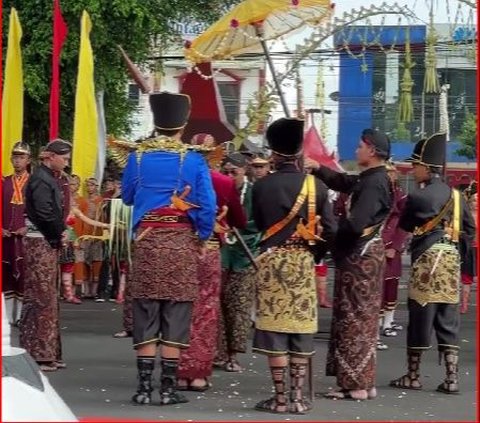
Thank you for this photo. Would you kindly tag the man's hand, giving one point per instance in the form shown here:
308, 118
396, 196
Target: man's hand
6, 234
311, 164
22, 231
390, 253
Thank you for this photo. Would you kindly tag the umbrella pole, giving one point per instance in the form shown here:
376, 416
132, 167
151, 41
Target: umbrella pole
274, 76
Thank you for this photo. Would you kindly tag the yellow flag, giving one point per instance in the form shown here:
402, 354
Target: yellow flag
12, 101
85, 128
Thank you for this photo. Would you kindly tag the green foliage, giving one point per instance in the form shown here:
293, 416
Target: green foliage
134, 24
468, 137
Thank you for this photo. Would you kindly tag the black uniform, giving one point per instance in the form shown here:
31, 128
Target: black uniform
423, 205
370, 202
436, 215
360, 264
43, 203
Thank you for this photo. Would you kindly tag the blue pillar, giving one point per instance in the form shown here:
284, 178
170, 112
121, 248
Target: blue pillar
355, 103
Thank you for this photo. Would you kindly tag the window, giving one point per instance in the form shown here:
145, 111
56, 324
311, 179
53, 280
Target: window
134, 94
230, 95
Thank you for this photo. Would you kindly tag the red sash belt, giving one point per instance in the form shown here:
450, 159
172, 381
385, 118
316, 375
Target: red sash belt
165, 217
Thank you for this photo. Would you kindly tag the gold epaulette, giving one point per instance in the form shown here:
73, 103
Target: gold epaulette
120, 149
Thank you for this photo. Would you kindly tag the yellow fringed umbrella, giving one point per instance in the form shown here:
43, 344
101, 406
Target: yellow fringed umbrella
247, 27
405, 108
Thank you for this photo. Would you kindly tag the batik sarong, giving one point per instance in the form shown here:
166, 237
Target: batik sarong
236, 301
196, 362
286, 291
356, 306
39, 323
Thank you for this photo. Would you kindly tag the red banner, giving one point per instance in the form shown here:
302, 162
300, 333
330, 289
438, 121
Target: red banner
59, 35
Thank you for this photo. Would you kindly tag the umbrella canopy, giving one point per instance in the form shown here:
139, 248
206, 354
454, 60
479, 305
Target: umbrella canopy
238, 31
314, 148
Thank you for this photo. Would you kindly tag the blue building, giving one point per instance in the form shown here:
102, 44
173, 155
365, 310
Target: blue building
371, 70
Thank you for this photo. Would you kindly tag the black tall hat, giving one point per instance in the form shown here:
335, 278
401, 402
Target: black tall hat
430, 151
285, 136
378, 140
170, 111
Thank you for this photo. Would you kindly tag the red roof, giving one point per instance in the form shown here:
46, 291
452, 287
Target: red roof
315, 148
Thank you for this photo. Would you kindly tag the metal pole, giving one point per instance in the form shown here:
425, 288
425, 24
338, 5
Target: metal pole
422, 121
272, 70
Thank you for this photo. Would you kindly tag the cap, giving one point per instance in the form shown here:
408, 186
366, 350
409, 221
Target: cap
378, 140
58, 146
285, 136
236, 159
170, 111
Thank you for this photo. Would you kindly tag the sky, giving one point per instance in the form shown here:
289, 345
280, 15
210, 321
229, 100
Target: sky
445, 11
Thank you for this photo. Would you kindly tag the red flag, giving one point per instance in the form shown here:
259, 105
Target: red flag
59, 35
314, 148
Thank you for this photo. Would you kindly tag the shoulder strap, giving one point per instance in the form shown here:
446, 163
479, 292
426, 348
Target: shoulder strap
432, 223
277, 227
456, 215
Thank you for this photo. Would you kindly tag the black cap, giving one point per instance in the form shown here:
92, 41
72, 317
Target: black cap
430, 151
236, 159
285, 136
378, 140
58, 146
170, 111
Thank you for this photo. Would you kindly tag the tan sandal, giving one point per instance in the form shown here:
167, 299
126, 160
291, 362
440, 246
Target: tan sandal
406, 382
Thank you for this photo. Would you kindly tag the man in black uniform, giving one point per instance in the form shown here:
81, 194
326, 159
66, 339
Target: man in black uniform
46, 209
287, 207
360, 262
435, 214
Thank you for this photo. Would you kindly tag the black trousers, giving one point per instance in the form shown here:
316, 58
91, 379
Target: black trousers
442, 318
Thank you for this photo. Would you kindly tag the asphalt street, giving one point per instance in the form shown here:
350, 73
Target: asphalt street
101, 377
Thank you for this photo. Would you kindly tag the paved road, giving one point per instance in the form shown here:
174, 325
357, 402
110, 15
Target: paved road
101, 377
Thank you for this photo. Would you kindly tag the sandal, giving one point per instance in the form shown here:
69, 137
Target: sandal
61, 364
50, 366
123, 334
448, 387
343, 394
381, 346
232, 366
396, 326
389, 332
300, 406
406, 382
271, 405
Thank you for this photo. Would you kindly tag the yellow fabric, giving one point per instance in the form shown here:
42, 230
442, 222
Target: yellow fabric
279, 17
286, 291
436, 276
85, 128
12, 101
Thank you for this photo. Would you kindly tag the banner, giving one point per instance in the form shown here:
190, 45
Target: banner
85, 127
12, 101
59, 35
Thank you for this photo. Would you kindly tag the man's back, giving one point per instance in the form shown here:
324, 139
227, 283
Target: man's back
275, 195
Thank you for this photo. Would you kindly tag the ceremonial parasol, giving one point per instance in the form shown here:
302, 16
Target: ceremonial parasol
248, 26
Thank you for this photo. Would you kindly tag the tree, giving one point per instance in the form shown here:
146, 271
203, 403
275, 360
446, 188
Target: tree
133, 24
468, 137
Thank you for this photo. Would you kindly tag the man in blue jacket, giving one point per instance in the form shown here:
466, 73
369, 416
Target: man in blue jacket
174, 208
